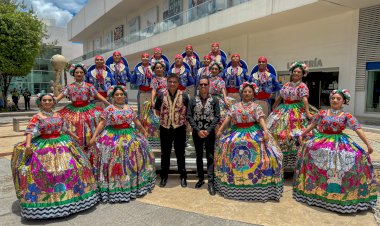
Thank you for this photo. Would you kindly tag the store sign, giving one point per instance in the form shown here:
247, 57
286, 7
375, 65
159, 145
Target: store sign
310, 63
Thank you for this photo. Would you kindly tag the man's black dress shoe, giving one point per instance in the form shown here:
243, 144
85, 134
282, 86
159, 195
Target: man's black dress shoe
183, 182
163, 182
199, 184
211, 189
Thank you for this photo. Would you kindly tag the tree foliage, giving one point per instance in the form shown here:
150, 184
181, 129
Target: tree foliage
21, 33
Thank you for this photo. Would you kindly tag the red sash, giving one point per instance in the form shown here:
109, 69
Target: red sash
331, 132
121, 126
78, 104
262, 96
145, 88
50, 136
232, 90
291, 101
245, 125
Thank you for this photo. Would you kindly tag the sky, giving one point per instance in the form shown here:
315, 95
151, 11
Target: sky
60, 10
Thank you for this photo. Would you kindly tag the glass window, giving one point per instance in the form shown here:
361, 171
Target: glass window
373, 91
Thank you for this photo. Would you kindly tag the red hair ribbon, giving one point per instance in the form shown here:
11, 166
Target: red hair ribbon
178, 56
207, 57
144, 55
262, 59
235, 54
116, 52
157, 49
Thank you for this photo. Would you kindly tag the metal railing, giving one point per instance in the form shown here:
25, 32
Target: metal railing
195, 13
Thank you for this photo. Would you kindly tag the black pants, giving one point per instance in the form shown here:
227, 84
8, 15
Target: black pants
27, 103
209, 143
167, 136
15, 101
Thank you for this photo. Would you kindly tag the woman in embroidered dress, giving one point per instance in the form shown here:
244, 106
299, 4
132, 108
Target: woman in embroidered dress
248, 162
159, 82
218, 90
125, 168
149, 120
81, 116
333, 171
288, 120
142, 77
51, 174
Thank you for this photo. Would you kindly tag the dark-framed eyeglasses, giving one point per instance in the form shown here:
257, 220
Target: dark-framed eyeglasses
203, 84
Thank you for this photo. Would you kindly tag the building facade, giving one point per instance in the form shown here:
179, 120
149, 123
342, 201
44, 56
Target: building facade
338, 39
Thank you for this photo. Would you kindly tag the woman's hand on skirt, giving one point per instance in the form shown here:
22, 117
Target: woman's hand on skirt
76, 138
370, 149
266, 136
28, 150
92, 141
300, 139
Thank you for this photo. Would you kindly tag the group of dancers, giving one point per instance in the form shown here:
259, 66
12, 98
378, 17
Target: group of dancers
85, 153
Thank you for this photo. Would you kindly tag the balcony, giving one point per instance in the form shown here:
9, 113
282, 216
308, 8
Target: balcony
200, 11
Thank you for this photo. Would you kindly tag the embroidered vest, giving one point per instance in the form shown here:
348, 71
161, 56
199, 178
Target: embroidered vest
173, 113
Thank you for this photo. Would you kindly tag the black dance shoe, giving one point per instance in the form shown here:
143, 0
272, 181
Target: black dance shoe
199, 184
211, 189
163, 182
183, 182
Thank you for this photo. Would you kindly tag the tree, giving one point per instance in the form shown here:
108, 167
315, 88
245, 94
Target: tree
21, 34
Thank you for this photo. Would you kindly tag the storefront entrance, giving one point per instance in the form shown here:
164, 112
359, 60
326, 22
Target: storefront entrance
320, 85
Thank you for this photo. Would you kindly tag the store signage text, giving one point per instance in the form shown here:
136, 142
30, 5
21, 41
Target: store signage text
310, 63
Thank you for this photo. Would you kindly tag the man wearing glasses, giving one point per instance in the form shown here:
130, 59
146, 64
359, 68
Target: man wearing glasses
203, 115
171, 107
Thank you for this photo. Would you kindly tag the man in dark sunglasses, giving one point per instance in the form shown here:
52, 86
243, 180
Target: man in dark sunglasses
203, 114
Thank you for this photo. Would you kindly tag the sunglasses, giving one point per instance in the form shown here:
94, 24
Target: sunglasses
203, 84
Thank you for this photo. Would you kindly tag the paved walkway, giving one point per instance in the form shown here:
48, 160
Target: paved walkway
174, 205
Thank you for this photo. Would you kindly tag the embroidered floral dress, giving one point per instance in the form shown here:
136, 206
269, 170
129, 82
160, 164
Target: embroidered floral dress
149, 120
216, 86
81, 116
288, 121
159, 84
246, 167
333, 171
56, 179
125, 168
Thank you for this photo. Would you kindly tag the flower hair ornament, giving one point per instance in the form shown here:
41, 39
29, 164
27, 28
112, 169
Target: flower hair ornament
41, 95
73, 66
299, 64
345, 93
220, 65
250, 84
111, 90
